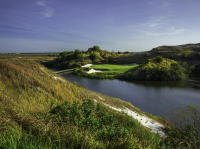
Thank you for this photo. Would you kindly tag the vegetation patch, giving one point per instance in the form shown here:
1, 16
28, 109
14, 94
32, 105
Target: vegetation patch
157, 69
77, 58
96, 119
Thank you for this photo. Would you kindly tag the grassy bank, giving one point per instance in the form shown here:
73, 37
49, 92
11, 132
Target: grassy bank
33, 113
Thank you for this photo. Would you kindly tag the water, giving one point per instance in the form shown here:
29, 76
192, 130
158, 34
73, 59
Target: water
157, 98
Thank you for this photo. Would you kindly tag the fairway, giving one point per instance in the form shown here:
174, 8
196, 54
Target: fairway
114, 68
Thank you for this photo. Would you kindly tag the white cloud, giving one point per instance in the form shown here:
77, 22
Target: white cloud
168, 32
48, 11
157, 26
41, 3
155, 22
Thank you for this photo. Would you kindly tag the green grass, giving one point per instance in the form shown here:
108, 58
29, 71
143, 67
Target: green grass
109, 71
114, 68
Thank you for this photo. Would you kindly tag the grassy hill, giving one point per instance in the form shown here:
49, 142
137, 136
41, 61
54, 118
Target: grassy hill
189, 53
35, 107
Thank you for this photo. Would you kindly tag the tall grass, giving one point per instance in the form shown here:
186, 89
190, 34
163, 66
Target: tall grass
29, 91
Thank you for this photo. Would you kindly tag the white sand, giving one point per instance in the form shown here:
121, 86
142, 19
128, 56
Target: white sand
92, 71
153, 125
101, 98
59, 78
87, 65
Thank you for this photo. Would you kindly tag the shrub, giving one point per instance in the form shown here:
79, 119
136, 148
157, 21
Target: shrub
95, 56
157, 69
94, 118
95, 48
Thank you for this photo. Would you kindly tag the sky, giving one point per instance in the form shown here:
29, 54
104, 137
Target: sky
115, 25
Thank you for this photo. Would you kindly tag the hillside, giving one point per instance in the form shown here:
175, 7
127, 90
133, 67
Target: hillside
189, 53
34, 103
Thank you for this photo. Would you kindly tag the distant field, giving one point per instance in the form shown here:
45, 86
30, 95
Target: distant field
114, 68
40, 57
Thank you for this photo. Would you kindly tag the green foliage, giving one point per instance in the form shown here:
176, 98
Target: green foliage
95, 56
78, 54
116, 131
157, 59
95, 48
94, 118
157, 69
76, 58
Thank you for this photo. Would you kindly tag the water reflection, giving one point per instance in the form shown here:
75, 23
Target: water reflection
157, 98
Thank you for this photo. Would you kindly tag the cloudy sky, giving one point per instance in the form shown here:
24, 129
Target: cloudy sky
134, 25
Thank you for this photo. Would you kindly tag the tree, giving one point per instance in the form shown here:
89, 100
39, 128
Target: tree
78, 54
95, 48
95, 56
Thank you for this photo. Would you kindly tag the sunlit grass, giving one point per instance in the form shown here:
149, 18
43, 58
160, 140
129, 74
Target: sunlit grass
114, 68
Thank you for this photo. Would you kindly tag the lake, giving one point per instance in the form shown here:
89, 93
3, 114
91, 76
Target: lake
157, 98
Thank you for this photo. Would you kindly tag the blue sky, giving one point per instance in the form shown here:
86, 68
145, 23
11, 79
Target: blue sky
134, 25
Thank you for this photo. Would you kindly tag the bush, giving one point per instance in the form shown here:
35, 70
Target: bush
95, 56
95, 48
93, 118
157, 69
78, 54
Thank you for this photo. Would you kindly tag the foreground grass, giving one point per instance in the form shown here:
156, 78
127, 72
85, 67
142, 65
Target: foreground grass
33, 113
